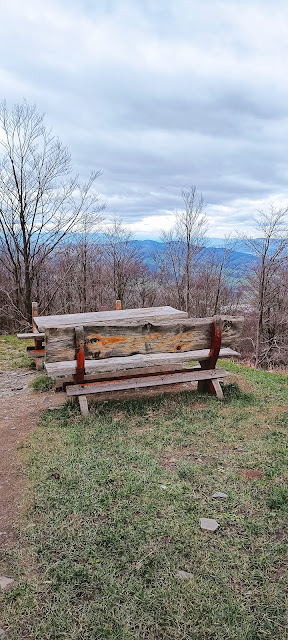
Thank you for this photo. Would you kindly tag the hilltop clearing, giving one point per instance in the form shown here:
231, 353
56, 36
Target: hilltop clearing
110, 539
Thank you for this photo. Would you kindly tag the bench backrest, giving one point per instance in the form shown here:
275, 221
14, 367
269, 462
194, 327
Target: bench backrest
133, 336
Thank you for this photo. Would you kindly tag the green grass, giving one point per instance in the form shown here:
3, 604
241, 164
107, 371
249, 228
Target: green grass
102, 540
43, 383
13, 353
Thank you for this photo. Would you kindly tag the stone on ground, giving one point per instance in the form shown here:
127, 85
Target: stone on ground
219, 494
208, 524
5, 582
184, 575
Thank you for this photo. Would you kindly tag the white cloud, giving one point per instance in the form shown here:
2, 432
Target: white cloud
161, 96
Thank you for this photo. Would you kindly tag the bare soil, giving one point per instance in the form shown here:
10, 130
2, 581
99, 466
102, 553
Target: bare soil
20, 409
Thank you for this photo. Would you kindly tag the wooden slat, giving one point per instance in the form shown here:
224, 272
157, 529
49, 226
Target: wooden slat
35, 353
149, 381
139, 336
83, 405
218, 389
96, 317
137, 362
30, 336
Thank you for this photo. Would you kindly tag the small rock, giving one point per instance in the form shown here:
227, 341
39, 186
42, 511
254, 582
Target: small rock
219, 494
208, 524
5, 582
3, 533
172, 460
2, 632
12, 428
248, 593
163, 486
184, 575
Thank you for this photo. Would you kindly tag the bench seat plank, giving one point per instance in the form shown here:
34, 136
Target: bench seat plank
68, 368
149, 381
35, 353
30, 336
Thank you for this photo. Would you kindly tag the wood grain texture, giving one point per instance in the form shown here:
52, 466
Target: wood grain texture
149, 381
83, 405
137, 362
140, 337
30, 336
217, 388
99, 317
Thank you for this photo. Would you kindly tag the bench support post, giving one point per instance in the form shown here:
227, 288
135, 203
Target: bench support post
212, 386
83, 404
80, 355
38, 342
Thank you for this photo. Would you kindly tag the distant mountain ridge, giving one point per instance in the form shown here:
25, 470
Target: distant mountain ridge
238, 261
242, 257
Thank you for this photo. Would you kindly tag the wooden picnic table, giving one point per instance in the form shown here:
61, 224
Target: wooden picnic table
143, 347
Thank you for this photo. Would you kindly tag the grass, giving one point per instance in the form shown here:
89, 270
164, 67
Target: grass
103, 539
13, 353
42, 383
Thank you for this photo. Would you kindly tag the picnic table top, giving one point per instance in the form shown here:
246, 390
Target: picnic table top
96, 317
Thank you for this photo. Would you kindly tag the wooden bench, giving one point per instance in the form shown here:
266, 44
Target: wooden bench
138, 348
38, 350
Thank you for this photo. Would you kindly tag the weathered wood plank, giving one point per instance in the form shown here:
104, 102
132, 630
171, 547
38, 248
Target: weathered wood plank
149, 381
140, 337
137, 362
83, 405
218, 389
35, 353
30, 336
98, 317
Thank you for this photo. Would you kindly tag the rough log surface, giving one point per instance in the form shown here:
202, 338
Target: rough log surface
137, 362
130, 337
30, 336
99, 317
149, 381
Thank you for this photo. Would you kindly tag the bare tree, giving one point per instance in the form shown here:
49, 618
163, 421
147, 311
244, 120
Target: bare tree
87, 246
40, 200
122, 257
270, 250
183, 243
221, 270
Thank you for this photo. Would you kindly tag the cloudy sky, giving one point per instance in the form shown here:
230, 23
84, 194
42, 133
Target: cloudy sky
160, 95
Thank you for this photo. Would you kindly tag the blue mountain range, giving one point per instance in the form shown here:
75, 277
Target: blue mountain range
239, 261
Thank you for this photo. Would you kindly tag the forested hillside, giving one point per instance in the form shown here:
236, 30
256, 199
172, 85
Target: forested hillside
60, 247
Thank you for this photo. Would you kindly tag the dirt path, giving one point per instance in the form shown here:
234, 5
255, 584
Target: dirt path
20, 409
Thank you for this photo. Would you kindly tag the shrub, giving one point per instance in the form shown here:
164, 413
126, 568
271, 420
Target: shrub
42, 383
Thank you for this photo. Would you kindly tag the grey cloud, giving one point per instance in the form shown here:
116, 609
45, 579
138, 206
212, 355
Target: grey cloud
175, 94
